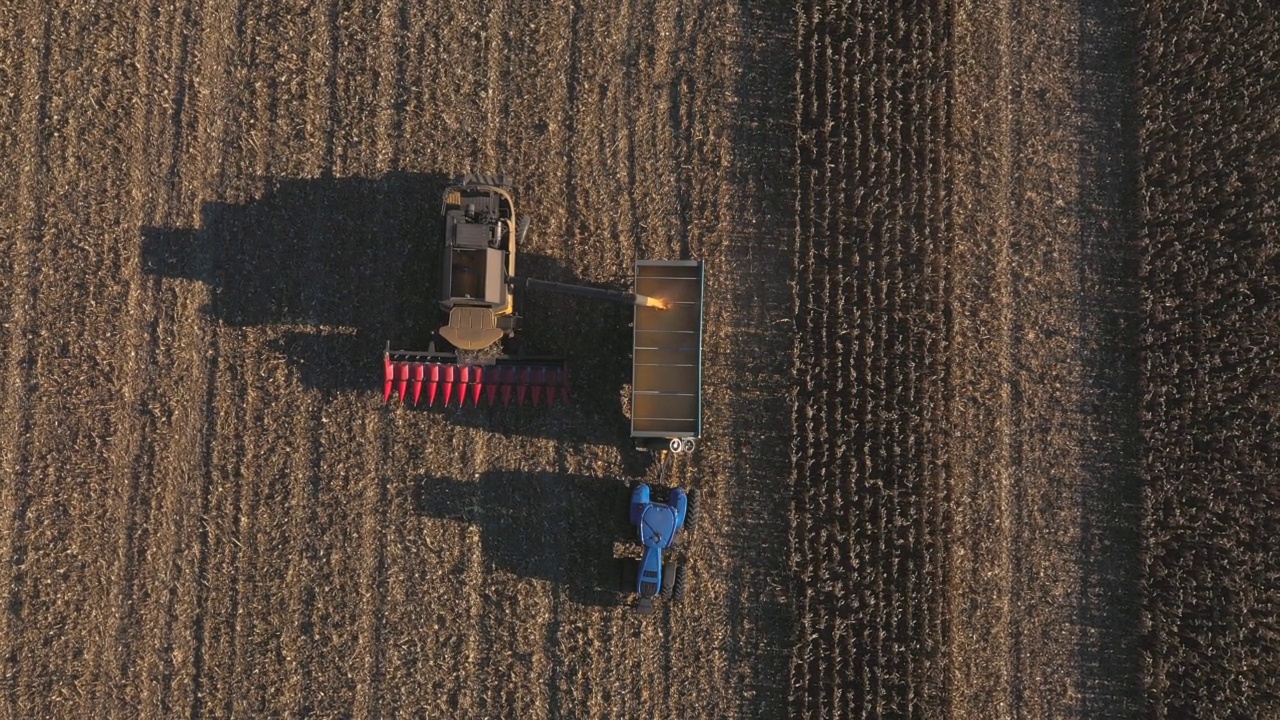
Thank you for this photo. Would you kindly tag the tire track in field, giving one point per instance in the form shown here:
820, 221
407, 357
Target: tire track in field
228, 405
421, 119
171, 460
130, 468
1024, 219
392, 87
17, 438
371, 623
236, 410
494, 97
983, 496
203, 127
317, 632
218, 601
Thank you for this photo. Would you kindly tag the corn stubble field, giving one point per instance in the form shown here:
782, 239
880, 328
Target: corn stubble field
987, 397
1210, 80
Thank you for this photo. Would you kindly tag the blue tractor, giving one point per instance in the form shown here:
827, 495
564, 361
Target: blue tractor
661, 524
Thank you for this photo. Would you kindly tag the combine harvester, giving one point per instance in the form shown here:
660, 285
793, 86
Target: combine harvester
475, 357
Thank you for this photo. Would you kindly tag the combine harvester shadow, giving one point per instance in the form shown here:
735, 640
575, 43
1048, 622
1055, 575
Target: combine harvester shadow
339, 266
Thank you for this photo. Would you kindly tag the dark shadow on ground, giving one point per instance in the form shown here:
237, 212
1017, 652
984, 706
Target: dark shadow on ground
348, 264
548, 526
1110, 614
755, 403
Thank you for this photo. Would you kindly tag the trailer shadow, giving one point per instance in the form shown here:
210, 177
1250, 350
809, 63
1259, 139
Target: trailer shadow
540, 525
339, 267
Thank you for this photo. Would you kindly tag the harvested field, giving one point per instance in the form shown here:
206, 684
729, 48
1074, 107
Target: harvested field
217, 215
921, 456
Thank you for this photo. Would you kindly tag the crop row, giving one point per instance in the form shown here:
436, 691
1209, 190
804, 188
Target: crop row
870, 358
1210, 104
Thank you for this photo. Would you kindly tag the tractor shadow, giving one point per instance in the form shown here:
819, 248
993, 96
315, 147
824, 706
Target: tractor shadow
340, 266
541, 525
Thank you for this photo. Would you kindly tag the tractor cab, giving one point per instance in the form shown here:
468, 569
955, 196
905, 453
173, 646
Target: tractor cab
658, 523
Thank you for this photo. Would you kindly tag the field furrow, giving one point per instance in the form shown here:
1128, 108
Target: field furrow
26, 67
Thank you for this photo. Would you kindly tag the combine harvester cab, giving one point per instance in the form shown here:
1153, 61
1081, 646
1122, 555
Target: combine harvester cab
666, 371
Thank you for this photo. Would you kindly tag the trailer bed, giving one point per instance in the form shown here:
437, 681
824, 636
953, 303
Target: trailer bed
666, 377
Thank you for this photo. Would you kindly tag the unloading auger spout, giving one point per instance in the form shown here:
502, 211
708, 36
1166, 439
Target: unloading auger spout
619, 296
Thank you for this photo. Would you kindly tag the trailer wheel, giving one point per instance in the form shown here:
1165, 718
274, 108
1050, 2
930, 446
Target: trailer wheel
691, 511
680, 585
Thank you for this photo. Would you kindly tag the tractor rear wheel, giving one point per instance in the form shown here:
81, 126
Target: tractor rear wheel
670, 569
681, 583
691, 511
